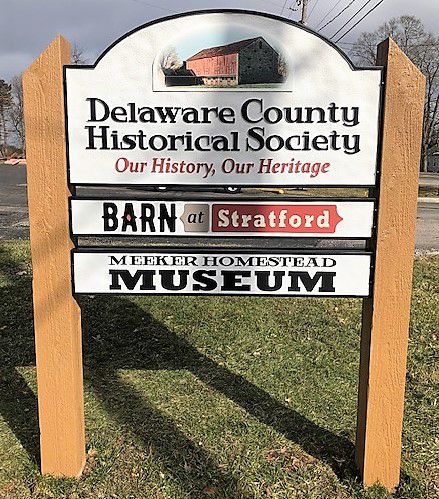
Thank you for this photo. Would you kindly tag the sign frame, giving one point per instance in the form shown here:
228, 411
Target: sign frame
228, 200
212, 251
378, 68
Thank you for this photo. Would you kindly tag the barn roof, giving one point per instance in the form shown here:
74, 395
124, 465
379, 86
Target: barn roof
231, 48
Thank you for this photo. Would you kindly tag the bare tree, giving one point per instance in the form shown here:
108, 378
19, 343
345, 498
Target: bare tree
15, 112
422, 48
5, 103
170, 59
282, 67
78, 54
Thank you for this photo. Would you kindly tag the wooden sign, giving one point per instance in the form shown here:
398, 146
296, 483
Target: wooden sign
208, 272
223, 98
167, 105
127, 217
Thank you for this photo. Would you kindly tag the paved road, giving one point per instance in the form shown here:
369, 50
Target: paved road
429, 180
14, 222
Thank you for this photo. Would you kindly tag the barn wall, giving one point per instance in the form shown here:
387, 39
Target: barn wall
258, 63
255, 63
215, 66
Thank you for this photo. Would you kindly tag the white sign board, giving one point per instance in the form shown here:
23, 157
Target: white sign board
127, 217
197, 272
222, 98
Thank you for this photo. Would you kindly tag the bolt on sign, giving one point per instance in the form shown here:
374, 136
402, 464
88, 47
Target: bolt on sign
223, 98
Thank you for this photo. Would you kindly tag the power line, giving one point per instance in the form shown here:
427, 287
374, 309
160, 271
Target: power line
173, 11
328, 13
272, 3
349, 20
153, 6
338, 15
292, 9
359, 21
283, 8
312, 10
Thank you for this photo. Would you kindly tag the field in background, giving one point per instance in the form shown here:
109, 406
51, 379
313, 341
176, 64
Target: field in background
215, 397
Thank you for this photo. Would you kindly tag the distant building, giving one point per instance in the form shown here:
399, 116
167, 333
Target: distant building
244, 62
433, 162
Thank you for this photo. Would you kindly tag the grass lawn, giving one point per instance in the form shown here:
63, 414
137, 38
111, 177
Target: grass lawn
215, 397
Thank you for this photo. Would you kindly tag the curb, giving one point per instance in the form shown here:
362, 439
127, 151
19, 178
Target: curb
429, 200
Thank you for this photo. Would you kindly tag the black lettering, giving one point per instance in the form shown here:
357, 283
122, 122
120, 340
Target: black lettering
93, 114
232, 280
131, 281
327, 278
147, 217
204, 283
168, 279
167, 218
129, 218
245, 110
114, 260
119, 114
262, 280
256, 133
355, 147
102, 136
110, 217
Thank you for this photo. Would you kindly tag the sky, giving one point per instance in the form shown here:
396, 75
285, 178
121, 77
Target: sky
188, 46
28, 26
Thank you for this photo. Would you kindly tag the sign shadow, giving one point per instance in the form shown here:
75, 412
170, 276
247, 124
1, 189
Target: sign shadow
18, 402
138, 341
192, 467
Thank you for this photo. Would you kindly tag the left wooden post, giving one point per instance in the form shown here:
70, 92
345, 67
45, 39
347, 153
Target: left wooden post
57, 317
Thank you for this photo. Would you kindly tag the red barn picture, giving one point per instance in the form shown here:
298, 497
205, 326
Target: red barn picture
250, 61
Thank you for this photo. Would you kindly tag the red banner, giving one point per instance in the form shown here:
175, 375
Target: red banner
313, 219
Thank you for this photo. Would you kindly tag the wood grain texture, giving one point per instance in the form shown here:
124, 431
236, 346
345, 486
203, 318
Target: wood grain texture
386, 314
56, 314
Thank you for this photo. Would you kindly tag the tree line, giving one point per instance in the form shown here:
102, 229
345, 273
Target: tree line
422, 48
12, 136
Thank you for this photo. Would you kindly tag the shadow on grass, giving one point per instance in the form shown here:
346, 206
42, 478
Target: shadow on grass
190, 466
120, 335
18, 403
135, 340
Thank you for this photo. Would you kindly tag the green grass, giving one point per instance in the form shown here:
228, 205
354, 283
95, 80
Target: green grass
215, 397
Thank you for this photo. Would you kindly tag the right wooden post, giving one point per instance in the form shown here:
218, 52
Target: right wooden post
386, 313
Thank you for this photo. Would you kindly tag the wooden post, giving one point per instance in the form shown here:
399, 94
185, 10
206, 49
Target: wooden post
56, 314
386, 314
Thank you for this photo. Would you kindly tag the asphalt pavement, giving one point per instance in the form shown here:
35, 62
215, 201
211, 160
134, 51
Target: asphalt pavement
14, 222
429, 180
